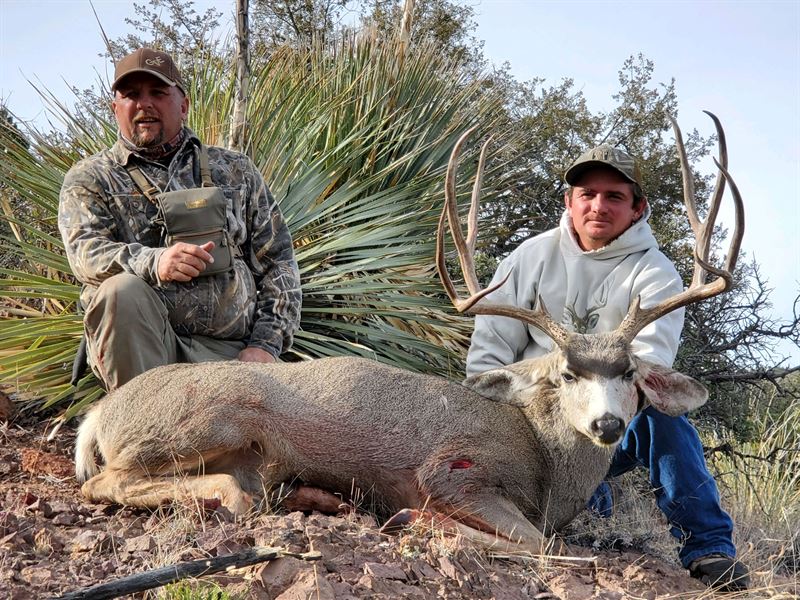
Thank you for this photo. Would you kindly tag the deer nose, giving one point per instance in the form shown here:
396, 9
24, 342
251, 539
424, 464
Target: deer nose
608, 428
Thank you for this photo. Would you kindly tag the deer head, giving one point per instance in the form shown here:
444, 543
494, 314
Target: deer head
595, 380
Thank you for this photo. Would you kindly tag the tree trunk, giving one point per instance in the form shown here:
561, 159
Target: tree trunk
404, 30
238, 122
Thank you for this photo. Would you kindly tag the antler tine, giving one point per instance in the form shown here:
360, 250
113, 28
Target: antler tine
703, 230
688, 180
472, 218
637, 318
738, 228
465, 249
719, 189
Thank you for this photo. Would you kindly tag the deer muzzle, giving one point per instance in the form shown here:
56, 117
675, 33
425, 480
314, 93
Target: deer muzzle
608, 429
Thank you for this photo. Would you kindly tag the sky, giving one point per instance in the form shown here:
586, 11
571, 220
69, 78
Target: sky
738, 59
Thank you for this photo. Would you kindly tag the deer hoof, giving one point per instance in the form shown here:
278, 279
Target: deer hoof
400, 521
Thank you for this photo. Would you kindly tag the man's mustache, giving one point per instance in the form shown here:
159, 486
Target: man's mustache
145, 117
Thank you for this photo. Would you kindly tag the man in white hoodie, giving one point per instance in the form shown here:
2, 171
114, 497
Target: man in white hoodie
587, 272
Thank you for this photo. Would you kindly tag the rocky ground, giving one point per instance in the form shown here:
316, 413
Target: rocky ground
53, 542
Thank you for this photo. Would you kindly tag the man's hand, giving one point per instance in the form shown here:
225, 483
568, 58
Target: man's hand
256, 355
184, 262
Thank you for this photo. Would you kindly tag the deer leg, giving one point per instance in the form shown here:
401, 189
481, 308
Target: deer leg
492, 513
410, 517
491, 522
142, 491
306, 498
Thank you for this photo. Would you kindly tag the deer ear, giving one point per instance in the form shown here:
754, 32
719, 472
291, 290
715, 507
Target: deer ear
499, 385
669, 391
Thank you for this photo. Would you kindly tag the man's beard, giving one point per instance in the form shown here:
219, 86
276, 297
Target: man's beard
142, 141
155, 148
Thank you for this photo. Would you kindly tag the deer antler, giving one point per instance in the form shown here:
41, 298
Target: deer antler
638, 318
466, 249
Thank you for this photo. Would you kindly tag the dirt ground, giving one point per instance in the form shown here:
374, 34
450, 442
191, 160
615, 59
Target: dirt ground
53, 542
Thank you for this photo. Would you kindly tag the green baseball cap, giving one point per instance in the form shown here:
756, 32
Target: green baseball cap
146, 60
605, 156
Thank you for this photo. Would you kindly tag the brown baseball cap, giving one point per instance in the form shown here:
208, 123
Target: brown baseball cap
605, 156
147, 60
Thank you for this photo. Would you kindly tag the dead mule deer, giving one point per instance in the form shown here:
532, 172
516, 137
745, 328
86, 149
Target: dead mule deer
501, 457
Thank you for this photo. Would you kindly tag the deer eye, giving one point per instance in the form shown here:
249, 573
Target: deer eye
629, 374
568, 377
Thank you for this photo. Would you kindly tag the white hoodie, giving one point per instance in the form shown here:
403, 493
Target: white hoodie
588, 292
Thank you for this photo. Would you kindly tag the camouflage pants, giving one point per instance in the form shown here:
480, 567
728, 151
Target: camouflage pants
128, 332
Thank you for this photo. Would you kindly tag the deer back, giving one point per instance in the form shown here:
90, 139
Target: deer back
327, 422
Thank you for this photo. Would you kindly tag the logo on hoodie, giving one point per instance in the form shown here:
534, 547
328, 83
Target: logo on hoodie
585, 322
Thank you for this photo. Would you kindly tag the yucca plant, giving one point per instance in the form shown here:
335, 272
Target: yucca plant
353, 142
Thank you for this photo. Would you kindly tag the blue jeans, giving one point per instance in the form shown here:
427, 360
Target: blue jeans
685, 491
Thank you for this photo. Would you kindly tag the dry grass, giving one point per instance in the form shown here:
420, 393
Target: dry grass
637, 524
760, 486
173, 529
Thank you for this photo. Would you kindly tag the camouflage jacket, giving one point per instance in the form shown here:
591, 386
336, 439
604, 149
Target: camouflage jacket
108, 227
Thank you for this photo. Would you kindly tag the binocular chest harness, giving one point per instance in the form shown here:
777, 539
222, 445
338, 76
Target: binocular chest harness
194, 215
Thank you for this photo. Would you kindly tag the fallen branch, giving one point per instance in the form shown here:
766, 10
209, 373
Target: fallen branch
195, 568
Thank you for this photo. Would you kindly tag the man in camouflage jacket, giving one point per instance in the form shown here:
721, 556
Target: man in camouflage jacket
146, 304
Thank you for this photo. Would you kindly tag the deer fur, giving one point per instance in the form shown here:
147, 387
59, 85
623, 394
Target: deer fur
509, 453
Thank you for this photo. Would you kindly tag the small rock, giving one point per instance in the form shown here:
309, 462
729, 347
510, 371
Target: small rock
41, 506
7, 408
99, 572
293, 521
335, 557
11, 540
230, 546
45, 542
89, 541
64, 519
309, 585
343, 590
221, 514
422, 571
8, 523
58, 507
382, 571
209, 539
133, 528
317, 535
104, 510
37, 576
277, 575
141, 543
448, 568
245, 590
28, 498
389, 588
369, 537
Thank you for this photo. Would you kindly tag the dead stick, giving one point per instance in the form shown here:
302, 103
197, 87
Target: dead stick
195, 568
